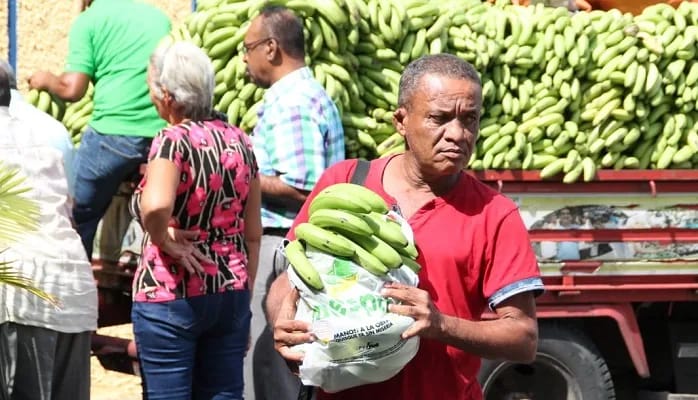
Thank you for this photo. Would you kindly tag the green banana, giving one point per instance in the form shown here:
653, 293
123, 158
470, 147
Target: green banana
338, 201
375, 201
377, 248
324, 240
384, 227
44, 101
369, 262
342, 220
411, 264
295, 254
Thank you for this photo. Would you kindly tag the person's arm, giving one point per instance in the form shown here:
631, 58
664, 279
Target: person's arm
253, 230
158, 197
281, 311
276, 192
512, 336
279, 289
509, 277
157, 204
69, 86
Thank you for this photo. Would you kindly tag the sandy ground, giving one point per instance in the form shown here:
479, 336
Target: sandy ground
110, 385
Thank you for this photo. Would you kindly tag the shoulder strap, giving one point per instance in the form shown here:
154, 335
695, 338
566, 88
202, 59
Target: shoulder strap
360, 173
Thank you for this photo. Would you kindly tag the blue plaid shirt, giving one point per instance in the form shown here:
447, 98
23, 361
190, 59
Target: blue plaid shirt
298, 135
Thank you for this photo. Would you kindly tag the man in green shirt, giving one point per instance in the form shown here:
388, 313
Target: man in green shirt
110, 43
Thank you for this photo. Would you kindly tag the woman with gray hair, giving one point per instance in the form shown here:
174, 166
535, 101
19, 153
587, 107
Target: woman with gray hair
199, 205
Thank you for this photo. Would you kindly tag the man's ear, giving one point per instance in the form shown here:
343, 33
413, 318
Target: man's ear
400, 119
272, 50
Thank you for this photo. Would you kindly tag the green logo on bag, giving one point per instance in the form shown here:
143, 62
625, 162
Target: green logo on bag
341, 278
366, 305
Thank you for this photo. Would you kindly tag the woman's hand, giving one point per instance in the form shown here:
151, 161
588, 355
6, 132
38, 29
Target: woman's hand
180, 245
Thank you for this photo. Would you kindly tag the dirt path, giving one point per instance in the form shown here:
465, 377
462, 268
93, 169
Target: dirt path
110, 385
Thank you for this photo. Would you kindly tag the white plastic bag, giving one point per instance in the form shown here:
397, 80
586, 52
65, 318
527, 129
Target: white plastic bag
359, 341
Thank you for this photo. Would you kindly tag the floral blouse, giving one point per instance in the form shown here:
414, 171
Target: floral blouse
216, 164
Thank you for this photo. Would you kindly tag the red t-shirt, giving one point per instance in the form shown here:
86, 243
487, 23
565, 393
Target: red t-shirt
472, 243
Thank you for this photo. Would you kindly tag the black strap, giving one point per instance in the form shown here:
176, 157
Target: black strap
361, 171
306, 392
275, 231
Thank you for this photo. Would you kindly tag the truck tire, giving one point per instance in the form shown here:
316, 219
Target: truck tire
567, 367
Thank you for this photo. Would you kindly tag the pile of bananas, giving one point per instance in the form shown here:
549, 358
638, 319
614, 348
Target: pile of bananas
562, 93
565, 94
74, 116
350, 221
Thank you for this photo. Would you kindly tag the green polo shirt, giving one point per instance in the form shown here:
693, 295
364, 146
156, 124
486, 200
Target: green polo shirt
112, 42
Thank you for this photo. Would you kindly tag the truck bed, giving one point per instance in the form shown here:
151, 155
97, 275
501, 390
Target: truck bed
626, 236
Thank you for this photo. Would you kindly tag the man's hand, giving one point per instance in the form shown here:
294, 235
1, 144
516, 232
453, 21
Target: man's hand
179, 244
276, 193
69, 86
415, 303
41, 80
289, 332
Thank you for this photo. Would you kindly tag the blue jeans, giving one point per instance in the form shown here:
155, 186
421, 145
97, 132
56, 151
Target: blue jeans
193, 348
100, 165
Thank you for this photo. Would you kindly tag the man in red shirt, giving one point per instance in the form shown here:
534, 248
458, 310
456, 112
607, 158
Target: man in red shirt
473, 246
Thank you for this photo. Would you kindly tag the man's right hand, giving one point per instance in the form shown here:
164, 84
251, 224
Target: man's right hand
41, 80
289, 332
69, 86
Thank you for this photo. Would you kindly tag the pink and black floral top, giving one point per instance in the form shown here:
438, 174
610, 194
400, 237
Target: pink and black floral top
216, 163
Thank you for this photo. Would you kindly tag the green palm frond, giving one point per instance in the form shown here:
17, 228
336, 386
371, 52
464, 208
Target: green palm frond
18, 215
9, 276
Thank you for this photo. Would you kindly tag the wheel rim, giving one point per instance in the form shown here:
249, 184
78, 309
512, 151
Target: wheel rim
545, 378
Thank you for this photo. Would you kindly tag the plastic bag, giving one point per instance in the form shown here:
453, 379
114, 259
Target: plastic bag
359, 341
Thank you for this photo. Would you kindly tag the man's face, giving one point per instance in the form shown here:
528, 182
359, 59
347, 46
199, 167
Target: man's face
565, 217
256, 53
441, 123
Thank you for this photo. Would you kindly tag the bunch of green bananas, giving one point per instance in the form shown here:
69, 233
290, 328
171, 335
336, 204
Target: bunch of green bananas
74, 116
350, 221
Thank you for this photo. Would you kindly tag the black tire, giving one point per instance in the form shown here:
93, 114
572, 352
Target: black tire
567, 367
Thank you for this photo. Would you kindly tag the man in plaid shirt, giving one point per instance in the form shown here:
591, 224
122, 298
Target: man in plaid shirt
298, 135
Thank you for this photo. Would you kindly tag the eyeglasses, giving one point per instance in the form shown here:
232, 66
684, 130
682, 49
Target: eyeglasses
248, 47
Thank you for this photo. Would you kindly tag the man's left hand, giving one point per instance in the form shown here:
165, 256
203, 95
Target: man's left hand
415, 303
